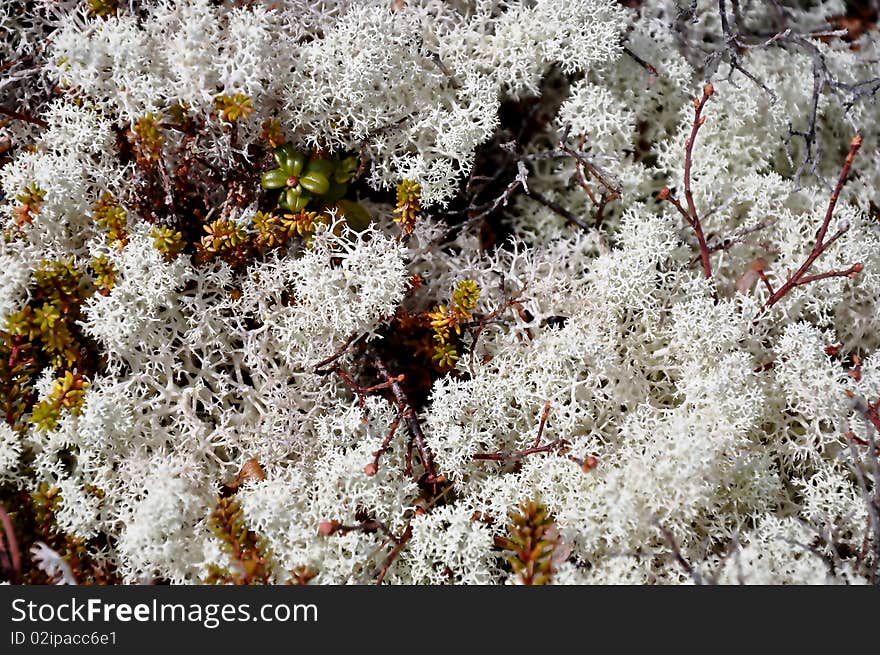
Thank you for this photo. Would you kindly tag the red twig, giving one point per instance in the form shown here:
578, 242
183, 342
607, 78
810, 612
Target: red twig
412, 422
852, 271
400, 543
17, 115
873, 413
483, 322
367, 526
559, 446
319, 367
373, 467
544, 416
799, 277
519, 454
676, 552
9, 553
361, 392
852, 436
407, 465
534, 450
370, 526
690, 214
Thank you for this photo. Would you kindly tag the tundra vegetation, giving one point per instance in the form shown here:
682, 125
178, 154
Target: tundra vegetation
439, 292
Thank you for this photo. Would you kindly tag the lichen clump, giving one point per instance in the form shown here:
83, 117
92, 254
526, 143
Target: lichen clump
427, 292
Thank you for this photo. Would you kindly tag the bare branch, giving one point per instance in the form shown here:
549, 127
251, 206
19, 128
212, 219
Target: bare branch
820, 245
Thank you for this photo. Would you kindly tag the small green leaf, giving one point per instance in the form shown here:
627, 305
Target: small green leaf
284, 155
295, 201
274, 179
315, 182
334, 193
345, 169
295, 164
322, 166
356, 216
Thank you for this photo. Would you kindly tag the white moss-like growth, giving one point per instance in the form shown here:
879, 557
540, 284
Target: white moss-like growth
682, 409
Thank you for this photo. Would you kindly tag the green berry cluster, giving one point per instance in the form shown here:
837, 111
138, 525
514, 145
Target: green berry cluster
304, 180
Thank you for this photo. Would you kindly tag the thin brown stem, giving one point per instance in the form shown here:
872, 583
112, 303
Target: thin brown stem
820, 245
412, 423
400, 542
558, 209
690, 213
9, 547
20, 116
544, 416
372, 468
486, 320
319, 367
852, 271
519, 454
708, 90
676, 552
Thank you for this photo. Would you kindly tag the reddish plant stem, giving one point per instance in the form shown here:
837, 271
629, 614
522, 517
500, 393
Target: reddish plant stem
14, 361
559, 445
852, 436
676, 552
518, 454
821, 245
400, 543
370, 526
641, 62
373, 468
760, 271
319, 367
541, 425
9, 547
850, 272
412, 422
690, 214
534, 450
583, 168
484, 321
407, 465
873, 414
359, 391
17, 115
